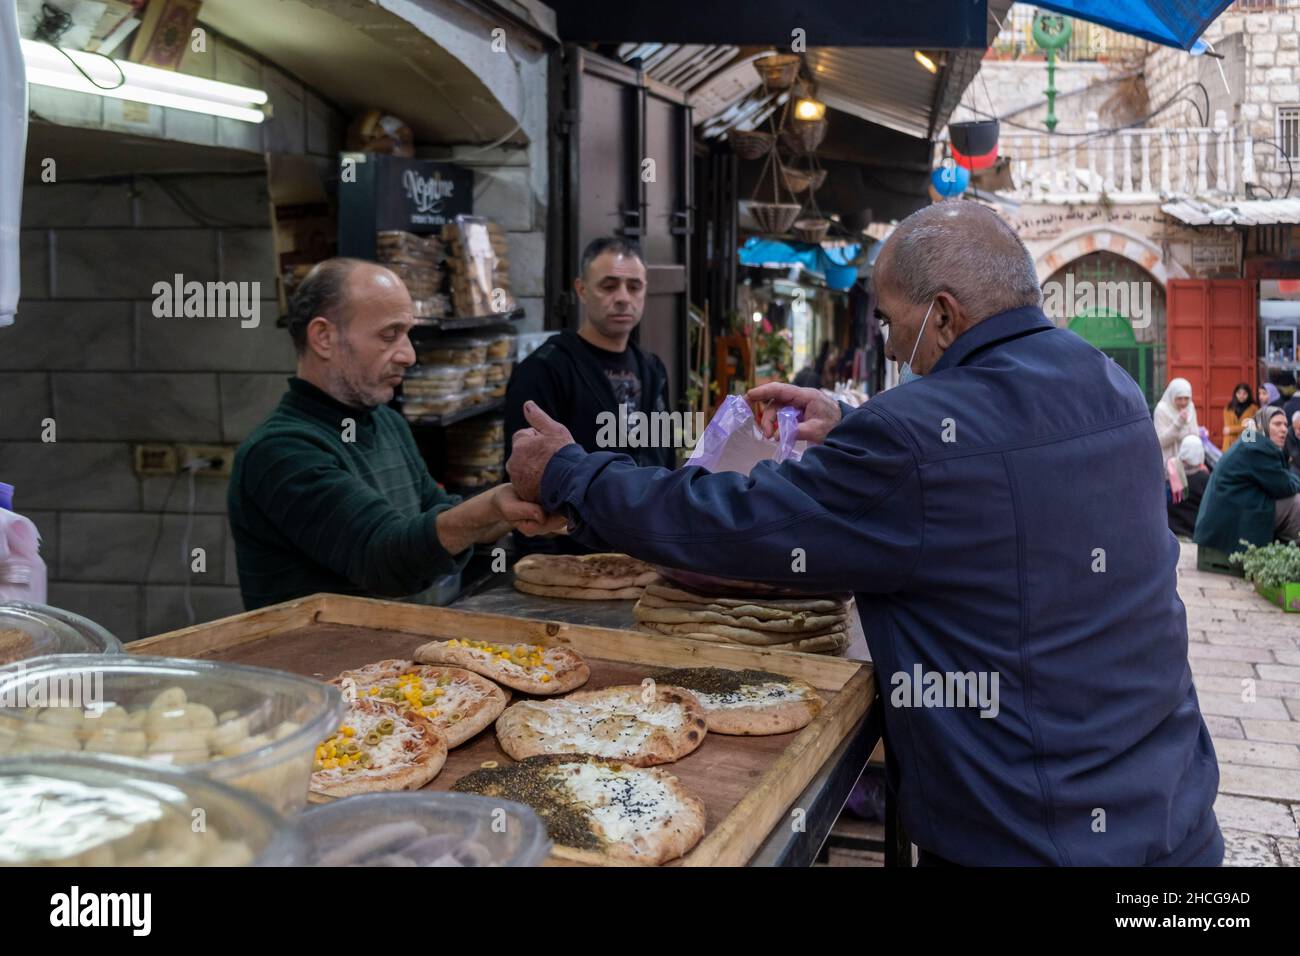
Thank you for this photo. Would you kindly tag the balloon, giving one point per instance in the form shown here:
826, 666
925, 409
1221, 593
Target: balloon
950, 179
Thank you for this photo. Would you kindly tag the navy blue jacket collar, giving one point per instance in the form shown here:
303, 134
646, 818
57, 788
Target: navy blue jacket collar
993, 330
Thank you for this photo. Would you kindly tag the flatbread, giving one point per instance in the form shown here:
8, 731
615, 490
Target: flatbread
666, 592
609, 571
458, 702
748, 703
531, 668
629, 814
405, 759
741, 635
832, 642
635, 723
794, 622
580, 594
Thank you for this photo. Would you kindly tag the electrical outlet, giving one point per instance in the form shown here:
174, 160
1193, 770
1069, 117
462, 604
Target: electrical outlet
152, 460
223, 453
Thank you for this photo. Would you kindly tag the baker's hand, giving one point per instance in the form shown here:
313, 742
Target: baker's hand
525, 516
532, 449
819, 414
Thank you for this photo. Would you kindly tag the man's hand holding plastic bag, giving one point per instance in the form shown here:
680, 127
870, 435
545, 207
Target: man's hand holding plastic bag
817, 413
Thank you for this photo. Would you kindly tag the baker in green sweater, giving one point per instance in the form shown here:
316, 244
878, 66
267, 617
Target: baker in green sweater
330, 493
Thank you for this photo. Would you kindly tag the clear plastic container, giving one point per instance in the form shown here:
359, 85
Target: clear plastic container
254, 728
442, 374
423, 828
32, 630
501, 346
113, 811
456, 350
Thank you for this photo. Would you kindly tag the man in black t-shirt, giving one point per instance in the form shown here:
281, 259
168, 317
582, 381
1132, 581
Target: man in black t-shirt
590, 378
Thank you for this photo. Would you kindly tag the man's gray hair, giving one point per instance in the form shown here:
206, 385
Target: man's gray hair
965, 249
1295, 416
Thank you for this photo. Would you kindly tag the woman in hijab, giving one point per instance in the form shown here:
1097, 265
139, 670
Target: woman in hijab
1236, 412
1252, 495
1175, 417
1269, 395
1188, 481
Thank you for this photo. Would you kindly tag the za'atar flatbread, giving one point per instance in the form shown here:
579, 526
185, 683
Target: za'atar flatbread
629, 814
748, 702
606, 571
458, 702
641, 724
378, 747
531, 668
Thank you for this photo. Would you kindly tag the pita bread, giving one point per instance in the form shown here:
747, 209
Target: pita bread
797, 622
609, 571
720, 633
748, 702
617, 723
666, 592
584, 802
579, 594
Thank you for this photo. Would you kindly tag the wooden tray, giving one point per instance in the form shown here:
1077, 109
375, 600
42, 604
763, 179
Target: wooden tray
747, 783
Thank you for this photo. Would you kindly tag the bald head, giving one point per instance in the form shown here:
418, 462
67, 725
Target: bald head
962, 248
350, 321
944, 269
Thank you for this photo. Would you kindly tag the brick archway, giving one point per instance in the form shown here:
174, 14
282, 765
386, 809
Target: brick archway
1113, 239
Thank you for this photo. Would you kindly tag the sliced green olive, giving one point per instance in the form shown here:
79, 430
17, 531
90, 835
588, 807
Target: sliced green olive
385, 726
373, 738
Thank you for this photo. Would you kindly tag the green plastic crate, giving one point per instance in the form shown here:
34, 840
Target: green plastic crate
1216, 562
1287, 597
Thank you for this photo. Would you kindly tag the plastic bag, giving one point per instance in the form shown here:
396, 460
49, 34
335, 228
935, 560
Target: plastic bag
22, 571
732, 440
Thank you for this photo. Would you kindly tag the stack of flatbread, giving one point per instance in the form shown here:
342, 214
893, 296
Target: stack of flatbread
812, 624
591, 577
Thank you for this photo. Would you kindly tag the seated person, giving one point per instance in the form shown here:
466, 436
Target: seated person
1252, 495
1191, 477
329, 493
1292, 447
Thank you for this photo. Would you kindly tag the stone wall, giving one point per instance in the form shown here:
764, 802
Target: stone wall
1262, 68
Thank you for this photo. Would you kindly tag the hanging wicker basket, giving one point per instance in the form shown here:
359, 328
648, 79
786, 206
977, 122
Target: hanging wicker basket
750, 143
798, 180
778, 70
804, 136
775, 217
812, 229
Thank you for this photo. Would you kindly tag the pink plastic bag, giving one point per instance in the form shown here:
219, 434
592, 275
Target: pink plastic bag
732, 440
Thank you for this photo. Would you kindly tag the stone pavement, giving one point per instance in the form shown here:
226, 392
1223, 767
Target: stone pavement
1238, 643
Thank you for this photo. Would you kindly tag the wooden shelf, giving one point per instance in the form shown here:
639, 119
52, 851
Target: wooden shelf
458, 322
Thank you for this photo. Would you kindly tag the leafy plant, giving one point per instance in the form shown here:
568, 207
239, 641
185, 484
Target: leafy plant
1271, 566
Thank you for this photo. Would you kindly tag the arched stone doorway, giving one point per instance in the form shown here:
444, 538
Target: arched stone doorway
1117, 306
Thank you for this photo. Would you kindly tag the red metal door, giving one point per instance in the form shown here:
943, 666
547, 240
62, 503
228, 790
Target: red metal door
1210, 325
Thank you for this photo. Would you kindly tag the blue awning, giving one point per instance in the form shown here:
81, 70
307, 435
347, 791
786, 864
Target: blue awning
1171, 22
836, 265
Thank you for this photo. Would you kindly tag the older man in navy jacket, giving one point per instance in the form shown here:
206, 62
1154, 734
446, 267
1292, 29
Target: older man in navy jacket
1002, 517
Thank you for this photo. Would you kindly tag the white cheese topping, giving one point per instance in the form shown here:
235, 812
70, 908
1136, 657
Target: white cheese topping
627, 803
605, 727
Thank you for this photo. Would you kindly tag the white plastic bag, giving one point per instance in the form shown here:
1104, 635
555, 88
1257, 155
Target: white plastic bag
22, 570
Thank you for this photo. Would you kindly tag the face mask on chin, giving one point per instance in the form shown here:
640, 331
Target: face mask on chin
906, 374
